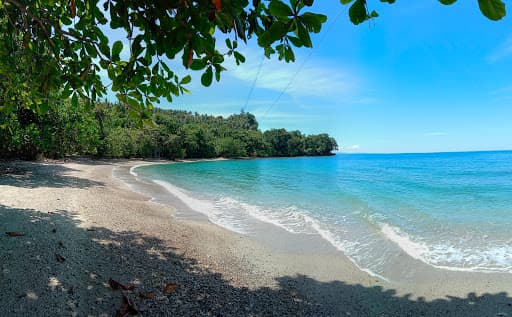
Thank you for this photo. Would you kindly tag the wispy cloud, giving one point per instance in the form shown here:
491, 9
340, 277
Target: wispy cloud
429, 134
502, 51
502, 90
313, 79
502, 95
350, 148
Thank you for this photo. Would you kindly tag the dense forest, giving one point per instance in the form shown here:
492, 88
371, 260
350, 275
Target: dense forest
109, 130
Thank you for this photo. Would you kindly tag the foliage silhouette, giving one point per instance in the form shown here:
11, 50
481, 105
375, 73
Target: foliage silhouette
33, 175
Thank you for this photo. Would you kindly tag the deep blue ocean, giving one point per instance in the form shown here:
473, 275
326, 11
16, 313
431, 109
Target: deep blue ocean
449, 210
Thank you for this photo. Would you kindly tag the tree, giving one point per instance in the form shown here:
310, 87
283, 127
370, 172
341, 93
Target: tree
278, 141
320, 144
69, 131
230, 147
56, 49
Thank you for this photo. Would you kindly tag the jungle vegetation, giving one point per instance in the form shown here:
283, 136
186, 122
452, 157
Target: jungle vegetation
109, 130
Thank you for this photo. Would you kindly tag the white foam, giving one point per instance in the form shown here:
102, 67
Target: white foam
204, 207
341, 246
290, 219
413, 249
434, 255
132, 169
295, 221
234, 215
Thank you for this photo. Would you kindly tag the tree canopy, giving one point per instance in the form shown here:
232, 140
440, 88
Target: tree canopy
109, 131
54, 50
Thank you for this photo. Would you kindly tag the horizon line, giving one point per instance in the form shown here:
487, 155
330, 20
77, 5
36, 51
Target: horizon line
433, 152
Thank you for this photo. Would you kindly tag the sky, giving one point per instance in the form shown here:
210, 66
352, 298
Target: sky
423, 77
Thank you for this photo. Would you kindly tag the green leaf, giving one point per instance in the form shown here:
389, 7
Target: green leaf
43, 108
104, 63
218, 59
276, 31
303, 35
357, 12
313, 21
239, 57
174, 89
447, 2
74, 100
228, 44
91, 50
289, 56
167, 69
117, 48
207, 77
104, 49
197, 64
155, 69
185, 80
279, 9
493, 9
133, 103
66, 92
66, 20
295, 41
346, 1
217, 74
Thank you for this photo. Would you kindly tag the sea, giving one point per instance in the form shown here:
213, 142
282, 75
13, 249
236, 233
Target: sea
451, 211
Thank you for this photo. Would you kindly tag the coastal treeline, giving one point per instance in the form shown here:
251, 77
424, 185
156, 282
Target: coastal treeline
110, 130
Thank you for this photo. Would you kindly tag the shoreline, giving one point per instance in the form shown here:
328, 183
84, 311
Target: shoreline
267, 233
320, 239
111, 231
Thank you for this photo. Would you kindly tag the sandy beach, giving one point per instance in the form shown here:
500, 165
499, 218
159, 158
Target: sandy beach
73, 226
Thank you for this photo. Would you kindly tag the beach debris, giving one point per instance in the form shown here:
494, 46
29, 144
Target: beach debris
129, 307
90, 229
61, 244
15, 233
60, 258
170, 288
54, 230
116, 285
147, 295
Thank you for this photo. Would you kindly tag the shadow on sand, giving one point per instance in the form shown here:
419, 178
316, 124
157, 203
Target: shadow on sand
79, 285
33, 175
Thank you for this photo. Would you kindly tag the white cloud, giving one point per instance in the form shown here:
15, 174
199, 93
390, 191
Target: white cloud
502, 51
502, 95
428, 134
349, 149
313, 79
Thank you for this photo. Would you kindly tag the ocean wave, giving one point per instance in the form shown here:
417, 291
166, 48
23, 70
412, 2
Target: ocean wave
290, 218
236, 216
132, 170
205, 207
450, 257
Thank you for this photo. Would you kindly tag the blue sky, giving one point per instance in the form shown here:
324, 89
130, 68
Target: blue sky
423, 77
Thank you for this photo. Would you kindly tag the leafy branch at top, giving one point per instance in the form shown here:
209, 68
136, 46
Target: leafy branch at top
59, 49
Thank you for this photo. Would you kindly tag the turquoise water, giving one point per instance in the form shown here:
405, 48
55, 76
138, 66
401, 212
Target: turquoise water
449, 210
